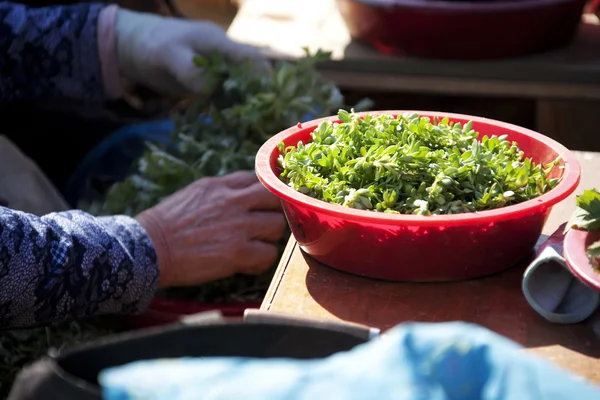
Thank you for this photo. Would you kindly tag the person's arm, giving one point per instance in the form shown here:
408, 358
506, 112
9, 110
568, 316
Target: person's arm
71, 264
81, 52
53, 53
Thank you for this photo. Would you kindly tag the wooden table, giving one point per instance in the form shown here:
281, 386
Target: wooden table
304, 287
564, 84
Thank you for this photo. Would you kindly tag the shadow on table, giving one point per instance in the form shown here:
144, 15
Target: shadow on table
495, 302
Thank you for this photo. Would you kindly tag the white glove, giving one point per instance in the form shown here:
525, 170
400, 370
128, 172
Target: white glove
157, 52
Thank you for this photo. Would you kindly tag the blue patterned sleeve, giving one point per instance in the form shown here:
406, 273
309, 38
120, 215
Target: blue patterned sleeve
49, 53
70, 265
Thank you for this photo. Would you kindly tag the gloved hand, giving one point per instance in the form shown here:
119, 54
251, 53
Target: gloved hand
157, 51
215, 228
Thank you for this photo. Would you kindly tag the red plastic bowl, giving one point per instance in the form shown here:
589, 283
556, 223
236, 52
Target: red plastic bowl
165, 311
575, 245
463, 30
412, 247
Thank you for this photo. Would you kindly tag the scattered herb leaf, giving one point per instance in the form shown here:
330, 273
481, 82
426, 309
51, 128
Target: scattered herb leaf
587, 214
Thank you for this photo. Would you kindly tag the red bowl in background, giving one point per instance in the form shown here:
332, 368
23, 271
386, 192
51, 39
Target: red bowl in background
463, 30
412, 247
165, 311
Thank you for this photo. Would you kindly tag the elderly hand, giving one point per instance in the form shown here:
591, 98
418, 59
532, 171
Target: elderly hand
157, 51
214, 228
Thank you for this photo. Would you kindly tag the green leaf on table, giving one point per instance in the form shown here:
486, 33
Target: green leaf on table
587, 215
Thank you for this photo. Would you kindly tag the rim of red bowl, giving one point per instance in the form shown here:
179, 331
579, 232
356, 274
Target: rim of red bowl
465, 5
567, 185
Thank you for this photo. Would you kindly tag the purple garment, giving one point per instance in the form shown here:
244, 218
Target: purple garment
50, 53
70, 264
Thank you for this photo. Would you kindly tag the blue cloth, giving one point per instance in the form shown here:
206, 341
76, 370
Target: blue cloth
412, 361
113, 158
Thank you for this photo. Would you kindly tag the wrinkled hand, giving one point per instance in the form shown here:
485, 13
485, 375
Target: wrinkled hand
214, 228
157, 51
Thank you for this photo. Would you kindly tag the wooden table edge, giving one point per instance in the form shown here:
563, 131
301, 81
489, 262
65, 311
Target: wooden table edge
279, 273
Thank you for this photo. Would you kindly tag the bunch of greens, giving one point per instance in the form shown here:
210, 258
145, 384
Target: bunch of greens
220, 134
587, 218
411, 165
21, 347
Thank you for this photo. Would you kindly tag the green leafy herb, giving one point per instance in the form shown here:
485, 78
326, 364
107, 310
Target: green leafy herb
586, 217
587, 214
411, 165
220, 134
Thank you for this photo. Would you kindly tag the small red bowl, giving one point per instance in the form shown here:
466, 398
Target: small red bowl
412, 247
465, 30
576, 241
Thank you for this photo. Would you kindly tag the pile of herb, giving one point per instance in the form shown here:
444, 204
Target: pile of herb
411, 165
587, 218
221, 134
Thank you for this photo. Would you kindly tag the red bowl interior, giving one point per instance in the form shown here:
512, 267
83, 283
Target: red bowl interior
576, 241
412, 247
463, 30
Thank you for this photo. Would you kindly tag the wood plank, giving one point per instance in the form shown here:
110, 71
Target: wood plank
278, 276
572, 123
221, 12
307, 288
352, 80
286, 26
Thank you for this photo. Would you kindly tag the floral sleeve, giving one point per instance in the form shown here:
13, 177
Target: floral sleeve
50, 53
71, 264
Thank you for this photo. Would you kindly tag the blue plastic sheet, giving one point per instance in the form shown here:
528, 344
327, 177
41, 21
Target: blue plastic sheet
111, 159
412, 361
